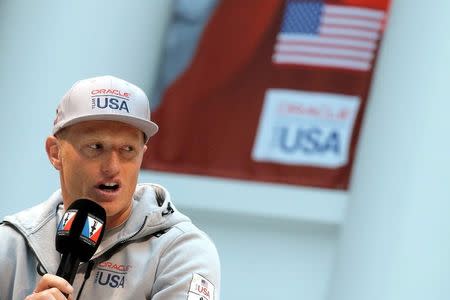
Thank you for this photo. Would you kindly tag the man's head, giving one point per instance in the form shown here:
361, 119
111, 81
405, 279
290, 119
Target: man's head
100, 132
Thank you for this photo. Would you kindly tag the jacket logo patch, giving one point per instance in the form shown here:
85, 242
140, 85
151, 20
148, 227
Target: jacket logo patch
111, 275
201, 288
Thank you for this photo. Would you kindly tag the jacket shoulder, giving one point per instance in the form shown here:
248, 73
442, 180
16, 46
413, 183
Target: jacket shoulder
190, 254
10, 236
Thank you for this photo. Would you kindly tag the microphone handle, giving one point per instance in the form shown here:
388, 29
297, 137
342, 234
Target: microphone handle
68, 266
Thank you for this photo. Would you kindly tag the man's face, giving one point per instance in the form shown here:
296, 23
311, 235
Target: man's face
100, 160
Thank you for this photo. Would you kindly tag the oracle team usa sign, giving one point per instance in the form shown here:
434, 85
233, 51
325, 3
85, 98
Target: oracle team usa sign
305, 128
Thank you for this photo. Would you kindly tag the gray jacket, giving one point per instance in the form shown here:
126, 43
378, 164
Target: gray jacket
158, 254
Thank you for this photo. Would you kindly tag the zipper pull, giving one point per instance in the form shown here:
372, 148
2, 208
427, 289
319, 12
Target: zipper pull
89, 268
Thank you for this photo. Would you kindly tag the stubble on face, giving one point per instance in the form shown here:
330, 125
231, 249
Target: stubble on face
100, 160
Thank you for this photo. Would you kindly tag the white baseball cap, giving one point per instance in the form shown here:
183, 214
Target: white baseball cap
105, 98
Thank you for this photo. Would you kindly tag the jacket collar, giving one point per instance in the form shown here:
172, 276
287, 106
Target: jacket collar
152, 212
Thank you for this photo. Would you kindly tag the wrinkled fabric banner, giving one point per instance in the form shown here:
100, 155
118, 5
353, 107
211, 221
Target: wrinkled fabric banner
275, 92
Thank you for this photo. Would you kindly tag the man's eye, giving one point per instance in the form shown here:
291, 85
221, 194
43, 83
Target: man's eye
95, 146
128, 148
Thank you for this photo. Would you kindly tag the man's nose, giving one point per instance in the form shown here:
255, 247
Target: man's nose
111, 164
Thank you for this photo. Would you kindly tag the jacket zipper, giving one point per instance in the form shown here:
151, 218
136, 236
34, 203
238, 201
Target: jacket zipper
93, 262
90, 266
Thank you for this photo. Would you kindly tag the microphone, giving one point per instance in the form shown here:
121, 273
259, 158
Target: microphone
78, 236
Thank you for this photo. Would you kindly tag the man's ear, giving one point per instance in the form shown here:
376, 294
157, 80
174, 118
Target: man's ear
52, 147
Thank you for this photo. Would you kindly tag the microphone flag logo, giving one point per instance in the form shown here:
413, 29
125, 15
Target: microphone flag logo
92, 229
66, 222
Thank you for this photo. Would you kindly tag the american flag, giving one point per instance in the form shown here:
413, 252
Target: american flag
338, 36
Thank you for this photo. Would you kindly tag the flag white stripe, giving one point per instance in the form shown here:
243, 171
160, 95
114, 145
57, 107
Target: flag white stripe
321, 61
309, 38
355, 33
324, 50
354, 11
374, 25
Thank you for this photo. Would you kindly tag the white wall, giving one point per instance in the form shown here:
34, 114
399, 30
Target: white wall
395, 241
275, 241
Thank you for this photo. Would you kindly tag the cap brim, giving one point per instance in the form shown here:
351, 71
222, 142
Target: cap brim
148, 127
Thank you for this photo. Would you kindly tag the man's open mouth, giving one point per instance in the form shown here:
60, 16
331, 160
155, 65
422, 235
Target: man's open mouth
109, 186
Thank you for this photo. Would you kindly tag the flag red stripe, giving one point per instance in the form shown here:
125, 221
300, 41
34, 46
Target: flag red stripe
325, 45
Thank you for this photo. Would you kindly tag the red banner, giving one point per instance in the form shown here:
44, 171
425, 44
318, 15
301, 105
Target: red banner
275, 92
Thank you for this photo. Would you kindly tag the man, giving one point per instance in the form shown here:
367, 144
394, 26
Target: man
149, 250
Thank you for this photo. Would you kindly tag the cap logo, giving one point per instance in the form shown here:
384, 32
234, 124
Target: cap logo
108, 98
112, 103
110, 92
